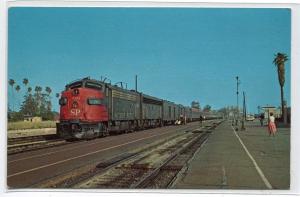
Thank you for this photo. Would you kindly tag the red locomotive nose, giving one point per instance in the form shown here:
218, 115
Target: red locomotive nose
84, 105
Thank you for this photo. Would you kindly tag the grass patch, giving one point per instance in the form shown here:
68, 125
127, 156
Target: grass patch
31, 125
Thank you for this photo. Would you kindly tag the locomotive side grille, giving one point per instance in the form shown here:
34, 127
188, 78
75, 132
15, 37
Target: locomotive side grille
151, 101
121, 95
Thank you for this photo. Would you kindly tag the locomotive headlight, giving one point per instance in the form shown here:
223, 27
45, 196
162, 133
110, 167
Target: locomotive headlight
74, 104
63, 101
75, 92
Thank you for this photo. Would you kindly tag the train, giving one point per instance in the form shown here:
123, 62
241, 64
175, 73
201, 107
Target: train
91, 108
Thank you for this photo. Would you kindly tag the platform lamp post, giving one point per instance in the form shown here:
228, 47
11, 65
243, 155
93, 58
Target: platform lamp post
136, 78
237, 99
244, 112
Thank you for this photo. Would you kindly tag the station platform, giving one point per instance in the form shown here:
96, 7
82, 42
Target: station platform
249, 159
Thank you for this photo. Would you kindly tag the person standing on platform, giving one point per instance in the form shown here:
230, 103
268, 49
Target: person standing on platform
261, 119
201, 120
271, 126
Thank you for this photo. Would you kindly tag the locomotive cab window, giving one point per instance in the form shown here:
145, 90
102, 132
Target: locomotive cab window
63, 101
75, 85
94, 101
93, 85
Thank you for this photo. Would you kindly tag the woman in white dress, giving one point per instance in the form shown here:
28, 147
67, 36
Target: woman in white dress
271, 126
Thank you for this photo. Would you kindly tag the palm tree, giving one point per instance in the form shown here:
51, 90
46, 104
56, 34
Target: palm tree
18, 88
38, 89
25, 81
279, 60
48, 90
11, 83
38, 98
48, 103
29, 89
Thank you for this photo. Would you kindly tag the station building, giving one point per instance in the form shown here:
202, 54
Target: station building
271, 109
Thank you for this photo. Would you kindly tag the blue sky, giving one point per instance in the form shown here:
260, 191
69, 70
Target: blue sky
181, 54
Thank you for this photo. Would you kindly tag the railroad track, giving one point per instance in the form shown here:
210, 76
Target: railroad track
27, 139
29, 143
164, 175
22, 144
155, 166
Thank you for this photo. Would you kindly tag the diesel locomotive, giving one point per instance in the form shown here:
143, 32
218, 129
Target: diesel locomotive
90, 108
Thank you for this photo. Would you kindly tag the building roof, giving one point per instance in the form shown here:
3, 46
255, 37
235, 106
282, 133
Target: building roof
269, 107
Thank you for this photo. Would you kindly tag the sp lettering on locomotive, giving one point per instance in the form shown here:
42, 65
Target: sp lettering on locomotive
75, 112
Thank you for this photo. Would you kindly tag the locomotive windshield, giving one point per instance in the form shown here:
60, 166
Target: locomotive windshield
93, 85
87, 84
75, 85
